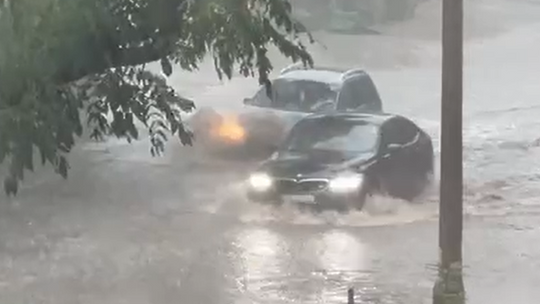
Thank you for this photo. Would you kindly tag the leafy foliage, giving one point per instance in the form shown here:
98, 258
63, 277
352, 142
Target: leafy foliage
62, 60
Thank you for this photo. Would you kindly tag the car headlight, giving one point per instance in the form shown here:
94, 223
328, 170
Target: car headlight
230, 129
346, 183
260, 181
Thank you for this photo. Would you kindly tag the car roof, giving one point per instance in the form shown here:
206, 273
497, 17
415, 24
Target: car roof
332, 76
370, 118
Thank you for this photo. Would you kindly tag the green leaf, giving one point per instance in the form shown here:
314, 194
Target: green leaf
65, 57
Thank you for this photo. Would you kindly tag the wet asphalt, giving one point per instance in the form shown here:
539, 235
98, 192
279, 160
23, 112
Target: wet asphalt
129, 228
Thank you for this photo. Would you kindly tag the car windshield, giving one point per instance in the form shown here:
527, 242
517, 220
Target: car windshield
333, 135
298, 95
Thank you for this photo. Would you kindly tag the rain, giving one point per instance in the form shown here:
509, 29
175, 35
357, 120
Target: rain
126, 227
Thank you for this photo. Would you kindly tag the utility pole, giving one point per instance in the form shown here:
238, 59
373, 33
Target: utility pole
449, 287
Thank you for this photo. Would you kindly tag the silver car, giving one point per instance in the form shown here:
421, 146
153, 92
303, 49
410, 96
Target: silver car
270, 113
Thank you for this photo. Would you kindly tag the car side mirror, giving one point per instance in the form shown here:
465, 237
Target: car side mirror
248, 101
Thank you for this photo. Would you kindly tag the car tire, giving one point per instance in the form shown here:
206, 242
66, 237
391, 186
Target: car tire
423, 185
363, 195
411, 188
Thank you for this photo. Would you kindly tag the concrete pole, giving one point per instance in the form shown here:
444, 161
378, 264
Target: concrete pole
449, 287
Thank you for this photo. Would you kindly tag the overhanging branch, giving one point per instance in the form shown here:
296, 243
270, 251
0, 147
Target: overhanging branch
114, 59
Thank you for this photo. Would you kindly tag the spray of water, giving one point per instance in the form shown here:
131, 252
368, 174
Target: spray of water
379, 210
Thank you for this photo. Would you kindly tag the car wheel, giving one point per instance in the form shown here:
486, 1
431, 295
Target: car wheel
422, 185
363, 195
410, 188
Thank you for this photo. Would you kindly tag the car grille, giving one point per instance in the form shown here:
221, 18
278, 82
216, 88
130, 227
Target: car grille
290, 186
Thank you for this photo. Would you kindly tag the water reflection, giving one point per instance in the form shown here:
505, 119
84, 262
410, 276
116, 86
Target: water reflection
343, 259
341, 251
262, 270
313, 268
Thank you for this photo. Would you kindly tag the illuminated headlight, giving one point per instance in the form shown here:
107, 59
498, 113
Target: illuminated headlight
348, 183
260, 181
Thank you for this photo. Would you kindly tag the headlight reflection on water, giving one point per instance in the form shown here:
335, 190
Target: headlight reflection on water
282, 268
263, 266
340, 251
342, 257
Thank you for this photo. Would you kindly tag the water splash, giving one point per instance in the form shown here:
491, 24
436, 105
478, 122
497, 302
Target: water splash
379, 210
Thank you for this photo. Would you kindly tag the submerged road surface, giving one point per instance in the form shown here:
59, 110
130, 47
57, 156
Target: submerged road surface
129, 228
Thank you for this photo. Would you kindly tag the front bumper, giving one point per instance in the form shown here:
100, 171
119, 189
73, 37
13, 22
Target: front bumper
321, 199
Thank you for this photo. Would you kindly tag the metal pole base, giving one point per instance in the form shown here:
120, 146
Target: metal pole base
449, 287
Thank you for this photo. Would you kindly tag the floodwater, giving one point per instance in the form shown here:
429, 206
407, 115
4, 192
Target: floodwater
129, 228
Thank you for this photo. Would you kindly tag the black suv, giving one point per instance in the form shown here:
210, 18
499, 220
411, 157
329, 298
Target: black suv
336, 160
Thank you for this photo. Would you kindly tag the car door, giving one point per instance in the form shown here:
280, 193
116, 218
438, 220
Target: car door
399, 169
261, 107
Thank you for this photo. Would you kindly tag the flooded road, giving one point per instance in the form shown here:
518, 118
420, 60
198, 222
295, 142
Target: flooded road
129, 228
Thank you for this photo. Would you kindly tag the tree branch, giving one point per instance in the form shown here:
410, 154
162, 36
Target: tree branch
113, 59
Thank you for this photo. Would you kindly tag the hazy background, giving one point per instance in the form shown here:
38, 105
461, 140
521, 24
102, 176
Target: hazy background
129, 228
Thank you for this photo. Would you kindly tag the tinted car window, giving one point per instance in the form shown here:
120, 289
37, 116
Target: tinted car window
295, 95
333, 135
261, 98
367, 92
357, 92
348, 98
